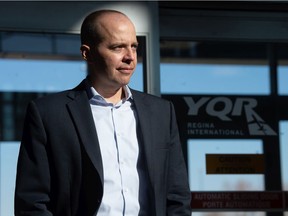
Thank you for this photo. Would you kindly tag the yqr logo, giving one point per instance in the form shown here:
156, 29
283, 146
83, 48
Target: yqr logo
256, 125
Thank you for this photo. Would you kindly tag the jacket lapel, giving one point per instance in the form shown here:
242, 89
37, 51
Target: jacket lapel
143, 111
81, 114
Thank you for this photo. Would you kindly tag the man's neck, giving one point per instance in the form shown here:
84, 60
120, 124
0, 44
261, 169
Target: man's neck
113, 97
111, 94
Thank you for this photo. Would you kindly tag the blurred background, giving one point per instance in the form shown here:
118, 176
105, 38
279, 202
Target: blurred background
221, 51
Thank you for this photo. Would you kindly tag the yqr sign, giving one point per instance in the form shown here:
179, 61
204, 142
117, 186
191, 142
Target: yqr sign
227, 116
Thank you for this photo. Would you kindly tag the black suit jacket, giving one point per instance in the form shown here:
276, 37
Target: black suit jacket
60, 169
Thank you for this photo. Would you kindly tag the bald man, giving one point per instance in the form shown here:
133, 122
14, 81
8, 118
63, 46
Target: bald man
102, 148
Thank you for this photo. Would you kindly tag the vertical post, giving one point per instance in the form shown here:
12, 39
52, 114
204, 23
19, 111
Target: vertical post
271, 145
153, 51
272, 58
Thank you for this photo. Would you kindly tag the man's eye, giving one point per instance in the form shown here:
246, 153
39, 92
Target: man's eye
135, 47
117, 48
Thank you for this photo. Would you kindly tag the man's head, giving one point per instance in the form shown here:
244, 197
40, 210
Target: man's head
109, 45
91, 27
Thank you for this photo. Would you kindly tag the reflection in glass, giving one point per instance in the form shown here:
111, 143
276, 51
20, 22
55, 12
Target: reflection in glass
282, 80
8, 160
214, 79
200, 181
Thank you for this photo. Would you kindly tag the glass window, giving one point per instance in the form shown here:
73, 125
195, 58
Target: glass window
214, 79
19, 75
8, 160
201, 181
202, 67
282, 79
219, 68
282, 68
33, 65
284, 149
34, 43
228, 214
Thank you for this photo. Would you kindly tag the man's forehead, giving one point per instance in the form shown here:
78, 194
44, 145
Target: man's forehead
112, 16
110, 26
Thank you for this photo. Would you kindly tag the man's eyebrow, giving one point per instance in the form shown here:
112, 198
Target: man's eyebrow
123, 44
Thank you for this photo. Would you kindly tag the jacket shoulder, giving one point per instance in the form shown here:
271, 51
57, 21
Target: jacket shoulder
149, 97
63, 97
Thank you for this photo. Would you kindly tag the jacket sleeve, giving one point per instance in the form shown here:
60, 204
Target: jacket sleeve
33, 175
178, 192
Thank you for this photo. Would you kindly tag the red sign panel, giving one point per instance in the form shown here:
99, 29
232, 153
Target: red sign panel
236, 201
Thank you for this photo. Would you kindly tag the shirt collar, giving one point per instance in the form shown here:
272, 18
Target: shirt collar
97, 99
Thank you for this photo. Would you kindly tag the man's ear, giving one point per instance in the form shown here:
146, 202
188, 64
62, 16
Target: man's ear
85, 51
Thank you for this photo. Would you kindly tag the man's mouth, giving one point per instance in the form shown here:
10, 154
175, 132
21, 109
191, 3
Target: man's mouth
126, 70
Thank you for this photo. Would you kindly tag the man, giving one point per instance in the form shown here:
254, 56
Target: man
102, 148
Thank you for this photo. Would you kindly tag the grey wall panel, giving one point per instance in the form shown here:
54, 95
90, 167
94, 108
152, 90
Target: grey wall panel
223, 25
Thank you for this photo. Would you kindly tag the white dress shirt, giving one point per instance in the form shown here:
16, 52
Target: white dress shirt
116, 130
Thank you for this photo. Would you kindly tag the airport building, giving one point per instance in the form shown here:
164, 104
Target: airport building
224, 65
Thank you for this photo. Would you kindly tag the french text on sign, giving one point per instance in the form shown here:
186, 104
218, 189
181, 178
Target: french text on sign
239, 201
235, 164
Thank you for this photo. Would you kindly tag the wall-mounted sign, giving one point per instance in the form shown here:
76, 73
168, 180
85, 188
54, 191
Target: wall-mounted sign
225, 116
235, 164
239, 201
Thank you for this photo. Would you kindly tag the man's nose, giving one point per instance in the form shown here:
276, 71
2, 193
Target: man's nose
130, 54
